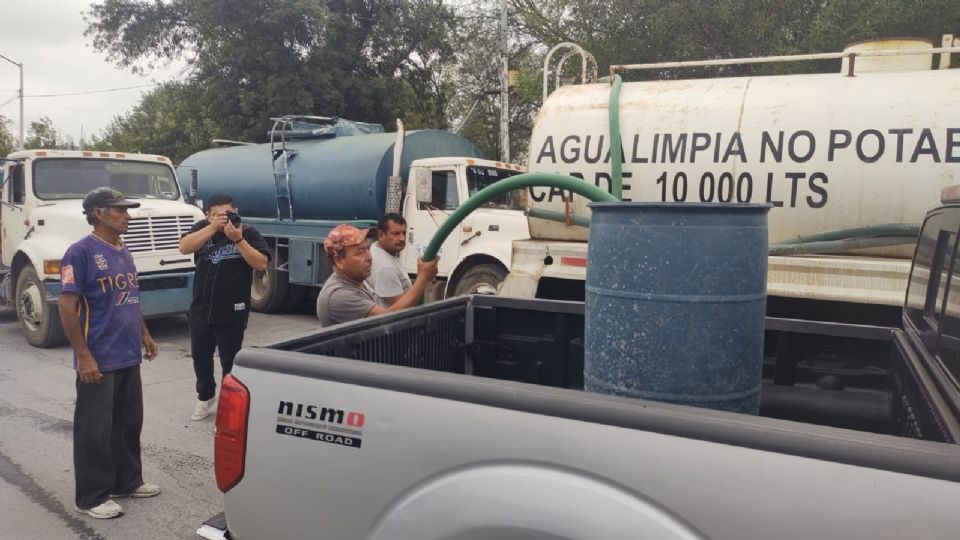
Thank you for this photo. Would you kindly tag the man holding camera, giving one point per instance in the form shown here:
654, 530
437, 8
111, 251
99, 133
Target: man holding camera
226, 253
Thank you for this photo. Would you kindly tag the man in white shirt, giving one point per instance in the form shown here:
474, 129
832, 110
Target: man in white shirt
387, 276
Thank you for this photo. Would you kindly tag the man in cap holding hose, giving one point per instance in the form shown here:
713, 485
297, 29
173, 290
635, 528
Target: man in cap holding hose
345, 295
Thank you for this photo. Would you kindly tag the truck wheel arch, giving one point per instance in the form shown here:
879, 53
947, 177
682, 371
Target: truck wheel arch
48, 330
484, 509
20, 260
470, 263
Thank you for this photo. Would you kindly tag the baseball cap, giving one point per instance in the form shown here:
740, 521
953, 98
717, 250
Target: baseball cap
106, 196
344, 236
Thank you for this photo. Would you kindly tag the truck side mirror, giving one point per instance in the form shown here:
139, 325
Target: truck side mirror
424, 186
193, 184
17, 187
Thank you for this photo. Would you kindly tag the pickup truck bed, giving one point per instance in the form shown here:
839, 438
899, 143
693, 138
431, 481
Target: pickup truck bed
340, 447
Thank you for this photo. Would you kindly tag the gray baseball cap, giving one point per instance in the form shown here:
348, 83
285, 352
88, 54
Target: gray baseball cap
106, 196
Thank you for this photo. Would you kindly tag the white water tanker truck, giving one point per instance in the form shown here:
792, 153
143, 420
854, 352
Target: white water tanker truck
847, 160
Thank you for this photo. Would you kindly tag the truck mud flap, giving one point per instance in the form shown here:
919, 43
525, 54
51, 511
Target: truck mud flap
215, 528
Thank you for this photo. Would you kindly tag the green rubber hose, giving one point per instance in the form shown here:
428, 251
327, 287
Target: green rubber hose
493, 191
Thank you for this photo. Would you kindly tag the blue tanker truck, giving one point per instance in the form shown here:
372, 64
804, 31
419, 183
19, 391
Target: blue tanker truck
318, 172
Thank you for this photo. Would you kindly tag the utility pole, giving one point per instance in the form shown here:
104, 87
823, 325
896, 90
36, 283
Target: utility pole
504, 87
19, 65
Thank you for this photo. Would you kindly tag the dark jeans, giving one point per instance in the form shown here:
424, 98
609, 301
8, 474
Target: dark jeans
204, 338
106, 436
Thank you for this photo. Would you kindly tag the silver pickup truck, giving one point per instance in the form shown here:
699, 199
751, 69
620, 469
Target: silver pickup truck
466, 420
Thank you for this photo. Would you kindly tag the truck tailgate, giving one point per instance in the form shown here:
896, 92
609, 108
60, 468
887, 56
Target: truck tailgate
342, 449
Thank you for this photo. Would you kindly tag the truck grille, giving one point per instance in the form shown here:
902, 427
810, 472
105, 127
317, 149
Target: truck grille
156, 233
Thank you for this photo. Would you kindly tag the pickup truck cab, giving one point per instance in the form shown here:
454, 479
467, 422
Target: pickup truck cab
466, 419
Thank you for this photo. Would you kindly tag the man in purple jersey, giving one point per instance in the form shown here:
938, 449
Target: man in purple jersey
100, 311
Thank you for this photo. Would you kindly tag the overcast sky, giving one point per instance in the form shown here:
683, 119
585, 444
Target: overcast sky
46, 36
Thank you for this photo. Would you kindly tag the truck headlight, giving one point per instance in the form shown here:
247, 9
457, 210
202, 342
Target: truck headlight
51, 266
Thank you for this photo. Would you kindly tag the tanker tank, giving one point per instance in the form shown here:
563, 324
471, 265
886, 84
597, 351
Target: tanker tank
332, 178
827, 151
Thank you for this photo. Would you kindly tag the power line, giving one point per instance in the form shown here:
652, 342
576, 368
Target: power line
94, 91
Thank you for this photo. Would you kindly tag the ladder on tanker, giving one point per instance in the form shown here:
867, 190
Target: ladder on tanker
282, 154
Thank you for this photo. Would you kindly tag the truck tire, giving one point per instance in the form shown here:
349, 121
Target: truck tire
480, 279
268, 291
435, 290
40, 324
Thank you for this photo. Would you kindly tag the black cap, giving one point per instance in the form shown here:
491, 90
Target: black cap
106, 196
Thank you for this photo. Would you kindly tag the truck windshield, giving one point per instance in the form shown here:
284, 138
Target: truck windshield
74, 178
479, 177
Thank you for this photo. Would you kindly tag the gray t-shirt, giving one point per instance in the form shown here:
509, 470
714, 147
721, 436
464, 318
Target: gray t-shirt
341, 301
387, 276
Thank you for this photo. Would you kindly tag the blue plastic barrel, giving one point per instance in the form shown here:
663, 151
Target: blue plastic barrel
675, 303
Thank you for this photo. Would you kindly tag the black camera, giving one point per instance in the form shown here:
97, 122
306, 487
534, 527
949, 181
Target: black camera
234, 218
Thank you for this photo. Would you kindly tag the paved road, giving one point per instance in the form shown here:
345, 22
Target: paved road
37, 394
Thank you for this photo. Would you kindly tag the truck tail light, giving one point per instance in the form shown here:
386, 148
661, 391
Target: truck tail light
580, 262
230, 442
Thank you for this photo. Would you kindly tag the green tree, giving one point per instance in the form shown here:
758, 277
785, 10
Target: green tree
256, 59
640, 31
8, 143
42, 134
645, 31
171, 120
474, 81
841, 22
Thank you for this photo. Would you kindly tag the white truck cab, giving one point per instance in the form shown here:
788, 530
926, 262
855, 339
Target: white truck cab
475, 257
41, 215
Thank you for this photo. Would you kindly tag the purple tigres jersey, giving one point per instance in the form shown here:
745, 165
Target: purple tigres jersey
105, 278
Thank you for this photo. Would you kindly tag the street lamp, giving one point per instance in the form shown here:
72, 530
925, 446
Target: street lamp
504, 86
19, 65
